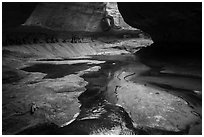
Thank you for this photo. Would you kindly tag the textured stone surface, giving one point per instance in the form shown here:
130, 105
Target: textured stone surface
34, 100
56, 99
151, 107
81, 16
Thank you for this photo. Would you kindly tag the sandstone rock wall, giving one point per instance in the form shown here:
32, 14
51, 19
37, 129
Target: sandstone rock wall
80, 16
112, 10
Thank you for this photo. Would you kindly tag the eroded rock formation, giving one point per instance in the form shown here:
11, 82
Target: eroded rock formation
71, 70
77, 16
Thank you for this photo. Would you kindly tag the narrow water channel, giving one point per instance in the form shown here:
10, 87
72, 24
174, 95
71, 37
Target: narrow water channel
101, 112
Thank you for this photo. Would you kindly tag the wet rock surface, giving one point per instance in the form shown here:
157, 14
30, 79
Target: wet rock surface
30, 102
108, 91
83, 82
155, 108
40, 88
112, 103
105, 94
152, 110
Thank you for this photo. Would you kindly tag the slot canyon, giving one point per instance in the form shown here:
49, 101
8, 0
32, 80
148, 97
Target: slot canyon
101, 68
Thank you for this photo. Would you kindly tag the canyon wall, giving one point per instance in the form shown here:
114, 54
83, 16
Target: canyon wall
80, 16
166, 22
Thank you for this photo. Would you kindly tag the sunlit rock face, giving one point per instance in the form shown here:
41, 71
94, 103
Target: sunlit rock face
166, 22
112, 10
80, 16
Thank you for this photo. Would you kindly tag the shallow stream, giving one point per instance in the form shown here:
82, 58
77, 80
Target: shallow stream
100, 111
